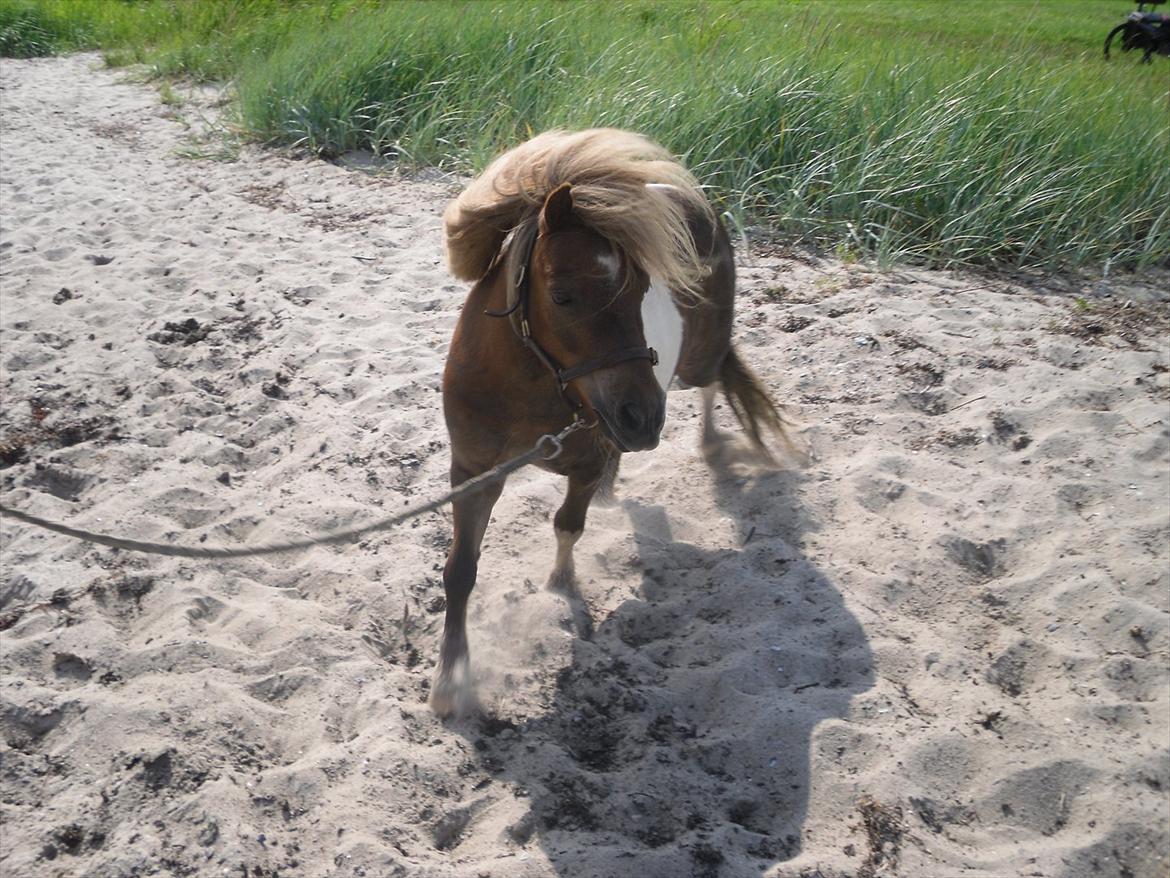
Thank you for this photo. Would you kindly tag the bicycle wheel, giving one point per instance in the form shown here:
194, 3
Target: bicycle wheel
1109, 39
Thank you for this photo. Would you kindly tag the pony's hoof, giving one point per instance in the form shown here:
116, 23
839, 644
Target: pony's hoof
562, 582
453, 697
442, 704
452, 702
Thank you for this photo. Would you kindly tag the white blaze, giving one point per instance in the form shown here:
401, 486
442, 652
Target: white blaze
663, 326
609, 263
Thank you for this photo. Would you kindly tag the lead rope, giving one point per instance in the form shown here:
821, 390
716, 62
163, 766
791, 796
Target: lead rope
547, 447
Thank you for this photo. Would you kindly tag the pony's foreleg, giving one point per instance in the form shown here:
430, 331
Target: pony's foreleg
607, 482
569, 524
451, 691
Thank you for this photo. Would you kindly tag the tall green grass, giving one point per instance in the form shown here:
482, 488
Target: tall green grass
205, 40
961, 133
30, 30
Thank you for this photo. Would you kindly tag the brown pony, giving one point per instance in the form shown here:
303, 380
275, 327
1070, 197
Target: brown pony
585, 248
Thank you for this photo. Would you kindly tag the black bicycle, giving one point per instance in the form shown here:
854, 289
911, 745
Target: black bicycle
1147, 32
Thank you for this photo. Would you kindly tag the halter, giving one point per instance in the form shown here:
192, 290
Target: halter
517, 251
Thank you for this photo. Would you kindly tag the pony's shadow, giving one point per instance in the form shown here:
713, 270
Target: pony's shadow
678, 739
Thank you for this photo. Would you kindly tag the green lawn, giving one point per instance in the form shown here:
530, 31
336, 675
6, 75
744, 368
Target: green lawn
975, 132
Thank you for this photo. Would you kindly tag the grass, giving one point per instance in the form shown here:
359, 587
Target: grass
986, 133
168, 96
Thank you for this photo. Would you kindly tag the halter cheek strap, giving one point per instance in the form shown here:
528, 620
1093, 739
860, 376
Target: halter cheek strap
519, 246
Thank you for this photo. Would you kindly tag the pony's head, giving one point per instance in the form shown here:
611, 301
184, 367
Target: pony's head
591, 216
585, 309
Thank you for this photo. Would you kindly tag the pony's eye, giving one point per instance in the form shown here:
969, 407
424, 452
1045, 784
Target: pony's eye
561, 299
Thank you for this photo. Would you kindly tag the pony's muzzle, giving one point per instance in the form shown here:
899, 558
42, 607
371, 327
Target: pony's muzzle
636, 424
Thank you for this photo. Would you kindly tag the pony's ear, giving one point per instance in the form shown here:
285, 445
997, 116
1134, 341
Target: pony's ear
558, 209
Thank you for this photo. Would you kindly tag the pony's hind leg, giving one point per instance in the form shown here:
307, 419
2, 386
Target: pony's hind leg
451, 691
712, 438
569, 524
755, 411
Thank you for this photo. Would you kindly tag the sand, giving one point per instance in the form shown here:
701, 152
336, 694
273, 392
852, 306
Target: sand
939, 649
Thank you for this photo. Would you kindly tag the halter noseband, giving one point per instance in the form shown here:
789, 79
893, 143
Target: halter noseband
519, 246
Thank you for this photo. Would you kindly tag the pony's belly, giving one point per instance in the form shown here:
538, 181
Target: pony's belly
663, 327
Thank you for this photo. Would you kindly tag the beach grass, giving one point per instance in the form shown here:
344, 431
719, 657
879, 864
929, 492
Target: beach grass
988, 133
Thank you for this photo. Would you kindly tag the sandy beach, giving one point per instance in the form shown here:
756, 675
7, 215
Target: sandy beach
940, 648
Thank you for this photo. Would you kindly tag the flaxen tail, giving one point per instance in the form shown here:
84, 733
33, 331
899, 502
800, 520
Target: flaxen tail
754, 408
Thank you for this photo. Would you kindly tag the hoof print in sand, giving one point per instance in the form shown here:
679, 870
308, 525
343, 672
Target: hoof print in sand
1039, 799
1017, 667
206, 609
185, 332
448, 830
281, 687
795, 323
167, 771
983, 559
72, 840
24, 728
121, 600
72, 668
875, 493
1136, 679
62, 483
928, 402
20, 588
1007, 432
158, 772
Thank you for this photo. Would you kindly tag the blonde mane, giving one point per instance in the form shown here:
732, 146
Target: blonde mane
612, 173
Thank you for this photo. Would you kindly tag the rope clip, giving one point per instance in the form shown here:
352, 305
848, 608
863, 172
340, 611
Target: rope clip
558, 446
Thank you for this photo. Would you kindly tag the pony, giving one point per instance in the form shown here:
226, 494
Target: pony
600, 271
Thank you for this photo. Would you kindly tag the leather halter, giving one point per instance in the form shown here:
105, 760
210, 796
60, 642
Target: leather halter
516, 250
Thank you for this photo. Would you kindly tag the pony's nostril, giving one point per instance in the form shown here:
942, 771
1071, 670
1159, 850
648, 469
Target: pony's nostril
631, 417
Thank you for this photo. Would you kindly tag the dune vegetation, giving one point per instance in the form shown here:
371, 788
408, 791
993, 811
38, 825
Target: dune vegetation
988, 133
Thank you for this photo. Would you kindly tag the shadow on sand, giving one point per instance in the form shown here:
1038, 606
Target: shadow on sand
678, 741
